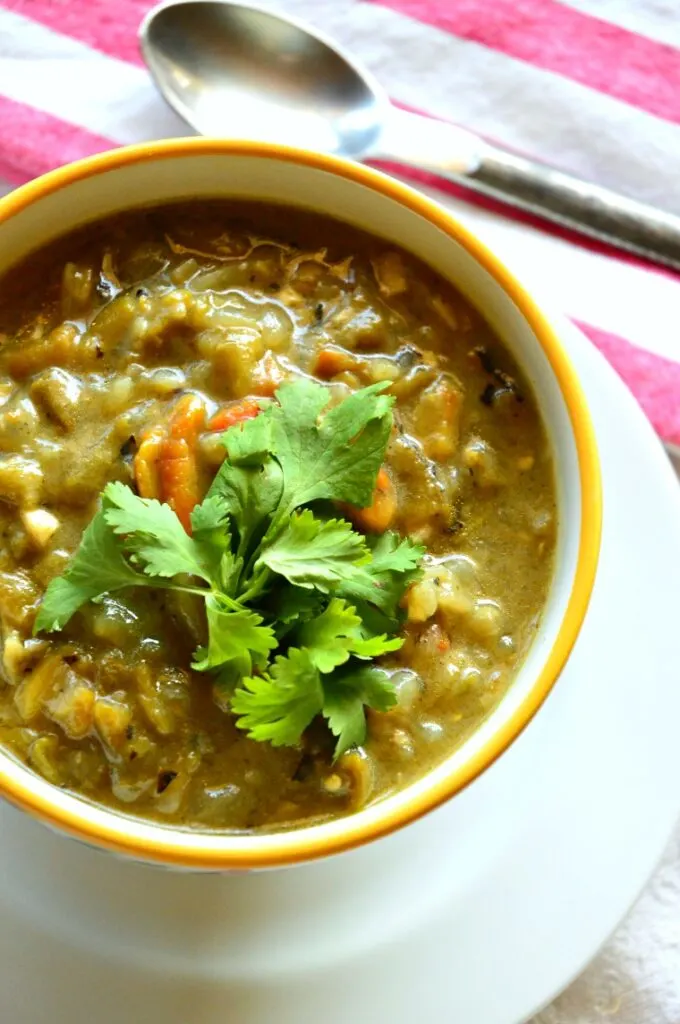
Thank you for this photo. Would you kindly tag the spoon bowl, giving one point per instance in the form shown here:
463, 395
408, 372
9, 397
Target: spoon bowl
230, 69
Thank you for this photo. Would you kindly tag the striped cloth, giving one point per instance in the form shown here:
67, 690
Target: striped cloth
592, 86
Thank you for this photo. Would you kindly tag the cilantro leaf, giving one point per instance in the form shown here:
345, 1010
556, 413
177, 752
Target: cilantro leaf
313, 552
250, 495
335, 456
346, 692
335, 634
228, 574
328, 637
392, 553
250, 442
279, 706
153, 535
285, 605
374, 646
234, 634
98, 567
212, 538
375, 622
381, 581
210, 517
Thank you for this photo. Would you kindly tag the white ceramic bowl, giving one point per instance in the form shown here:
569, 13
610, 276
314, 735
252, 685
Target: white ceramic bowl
196, 168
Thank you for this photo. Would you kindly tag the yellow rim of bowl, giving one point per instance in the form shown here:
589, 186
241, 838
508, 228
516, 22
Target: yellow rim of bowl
304, 844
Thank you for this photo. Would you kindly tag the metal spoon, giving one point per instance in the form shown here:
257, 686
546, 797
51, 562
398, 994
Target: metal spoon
238, 71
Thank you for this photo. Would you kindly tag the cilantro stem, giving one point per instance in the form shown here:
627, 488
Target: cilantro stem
200, 591
204, 592
258, 584
236, 606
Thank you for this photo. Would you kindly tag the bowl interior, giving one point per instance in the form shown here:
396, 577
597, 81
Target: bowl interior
52, 206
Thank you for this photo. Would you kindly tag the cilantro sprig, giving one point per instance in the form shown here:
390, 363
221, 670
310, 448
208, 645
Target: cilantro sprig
297, 602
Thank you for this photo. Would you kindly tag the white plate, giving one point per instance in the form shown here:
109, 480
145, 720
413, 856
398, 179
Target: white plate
479, 914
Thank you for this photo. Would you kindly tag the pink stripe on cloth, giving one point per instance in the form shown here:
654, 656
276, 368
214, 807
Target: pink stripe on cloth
653, 379
550, 35
34, 142
106, 25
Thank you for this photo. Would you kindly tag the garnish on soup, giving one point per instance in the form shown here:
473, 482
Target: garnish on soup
278, 516
276, 578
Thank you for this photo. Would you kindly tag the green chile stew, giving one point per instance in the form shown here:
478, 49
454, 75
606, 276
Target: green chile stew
294, 505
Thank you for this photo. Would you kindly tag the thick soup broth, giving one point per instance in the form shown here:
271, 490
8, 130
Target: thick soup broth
104, 334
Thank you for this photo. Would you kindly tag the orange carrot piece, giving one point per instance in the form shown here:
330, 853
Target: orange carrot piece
178, 474
377, 516
157, 453
187, 419
146, 463
247, 409
332, 361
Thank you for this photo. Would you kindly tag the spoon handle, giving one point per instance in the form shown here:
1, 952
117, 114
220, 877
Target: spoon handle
580, 205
